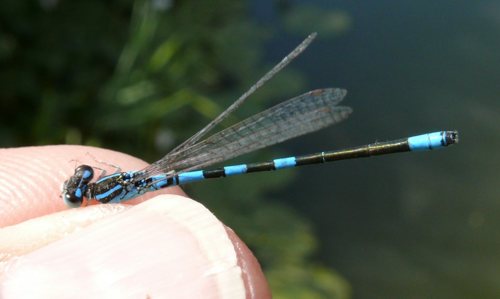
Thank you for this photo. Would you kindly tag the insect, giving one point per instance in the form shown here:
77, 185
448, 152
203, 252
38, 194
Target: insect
300, 115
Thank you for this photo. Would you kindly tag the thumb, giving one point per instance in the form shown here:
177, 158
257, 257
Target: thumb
167, 247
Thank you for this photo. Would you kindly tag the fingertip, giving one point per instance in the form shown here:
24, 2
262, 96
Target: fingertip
256, 285
167, 247
31, 178
31, 235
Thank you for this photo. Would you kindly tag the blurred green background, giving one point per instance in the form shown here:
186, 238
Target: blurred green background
141, 76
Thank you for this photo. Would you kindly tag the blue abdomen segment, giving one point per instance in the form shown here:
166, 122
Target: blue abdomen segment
285, 162
159, 181
431, 141
190, 176
235, 169
199, 175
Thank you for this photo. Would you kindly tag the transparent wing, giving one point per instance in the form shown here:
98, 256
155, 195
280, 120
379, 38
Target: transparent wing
284, 62
303, 114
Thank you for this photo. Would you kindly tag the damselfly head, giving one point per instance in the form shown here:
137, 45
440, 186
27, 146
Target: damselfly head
74, 189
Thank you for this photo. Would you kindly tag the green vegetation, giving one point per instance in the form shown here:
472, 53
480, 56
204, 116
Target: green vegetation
139, 77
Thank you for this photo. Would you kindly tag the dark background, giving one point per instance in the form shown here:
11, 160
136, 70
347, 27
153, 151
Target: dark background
141, 76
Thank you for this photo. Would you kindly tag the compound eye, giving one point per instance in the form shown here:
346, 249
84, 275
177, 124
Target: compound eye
72, 200
85, 172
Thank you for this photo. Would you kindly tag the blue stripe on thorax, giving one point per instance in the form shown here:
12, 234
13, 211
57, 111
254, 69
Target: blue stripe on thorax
109, 192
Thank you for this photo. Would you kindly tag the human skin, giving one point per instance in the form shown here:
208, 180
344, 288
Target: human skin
161, 245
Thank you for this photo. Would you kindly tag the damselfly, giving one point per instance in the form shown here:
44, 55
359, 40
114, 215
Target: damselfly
301, 115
